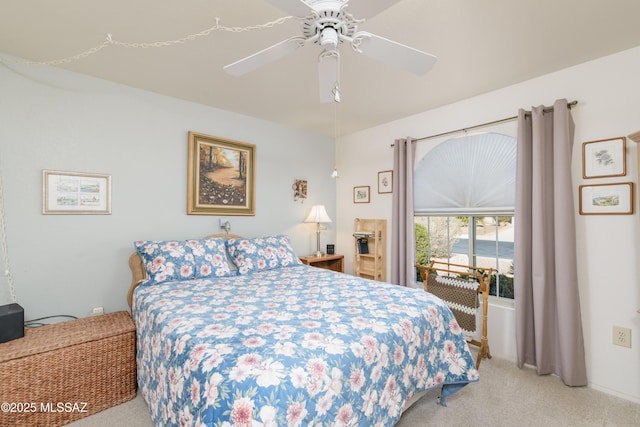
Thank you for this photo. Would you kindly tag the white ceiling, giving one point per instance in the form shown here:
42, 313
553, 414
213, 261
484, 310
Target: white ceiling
481, 45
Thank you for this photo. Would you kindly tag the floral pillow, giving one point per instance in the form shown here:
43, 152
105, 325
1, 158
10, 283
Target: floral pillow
262, 253
183, 259
210, 258
166, 260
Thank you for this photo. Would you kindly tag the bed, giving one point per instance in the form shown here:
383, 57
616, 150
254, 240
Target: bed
238, 332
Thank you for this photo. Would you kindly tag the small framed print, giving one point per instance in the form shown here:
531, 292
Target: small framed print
361, 194
606, 199
75, 193
604, 158
385, 182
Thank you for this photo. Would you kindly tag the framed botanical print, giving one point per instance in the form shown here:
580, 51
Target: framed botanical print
221, 176
385, 182
604, 158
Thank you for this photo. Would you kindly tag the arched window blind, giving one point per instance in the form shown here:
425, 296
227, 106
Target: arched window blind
473, 174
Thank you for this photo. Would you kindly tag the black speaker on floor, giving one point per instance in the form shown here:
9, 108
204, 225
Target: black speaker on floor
11, 322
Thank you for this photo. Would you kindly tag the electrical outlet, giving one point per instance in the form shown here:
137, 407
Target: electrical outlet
622, 336
97, 311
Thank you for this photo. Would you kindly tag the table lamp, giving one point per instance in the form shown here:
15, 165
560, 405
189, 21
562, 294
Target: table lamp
318, 214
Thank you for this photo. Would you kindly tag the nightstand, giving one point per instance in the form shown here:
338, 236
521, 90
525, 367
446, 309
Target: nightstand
328, 262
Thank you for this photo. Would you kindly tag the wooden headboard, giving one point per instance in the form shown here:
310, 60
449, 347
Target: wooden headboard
139, 273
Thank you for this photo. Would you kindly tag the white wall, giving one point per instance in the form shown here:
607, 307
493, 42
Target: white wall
67, 264
609, 106
53, 119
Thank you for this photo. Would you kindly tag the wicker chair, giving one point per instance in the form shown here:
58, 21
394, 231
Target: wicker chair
458, 286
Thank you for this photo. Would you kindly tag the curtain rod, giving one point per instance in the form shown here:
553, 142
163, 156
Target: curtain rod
495, 122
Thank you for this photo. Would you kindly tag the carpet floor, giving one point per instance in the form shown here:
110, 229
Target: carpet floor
504, 396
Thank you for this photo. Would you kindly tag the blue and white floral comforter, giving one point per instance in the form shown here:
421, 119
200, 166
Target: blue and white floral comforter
294, 346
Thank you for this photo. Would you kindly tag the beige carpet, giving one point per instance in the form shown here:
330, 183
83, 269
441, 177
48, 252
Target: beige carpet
505, 396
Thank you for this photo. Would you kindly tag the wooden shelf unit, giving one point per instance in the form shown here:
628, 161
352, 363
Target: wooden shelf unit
372, 265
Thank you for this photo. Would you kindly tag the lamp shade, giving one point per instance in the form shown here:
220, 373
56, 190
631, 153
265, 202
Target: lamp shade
318, 214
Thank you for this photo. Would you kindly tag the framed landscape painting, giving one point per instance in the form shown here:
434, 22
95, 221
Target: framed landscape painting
606, 199
221, 176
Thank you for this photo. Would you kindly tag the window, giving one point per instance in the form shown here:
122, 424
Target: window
464, 205
481, 241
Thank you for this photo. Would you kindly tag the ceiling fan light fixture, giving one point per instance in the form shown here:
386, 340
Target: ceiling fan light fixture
329, 39
329, 23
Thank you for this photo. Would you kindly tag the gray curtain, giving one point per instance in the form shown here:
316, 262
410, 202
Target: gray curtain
402, 236
548, 319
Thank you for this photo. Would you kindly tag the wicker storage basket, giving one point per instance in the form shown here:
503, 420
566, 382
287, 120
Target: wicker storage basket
62, 372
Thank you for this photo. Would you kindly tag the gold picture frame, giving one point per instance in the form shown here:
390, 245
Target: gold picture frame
606, 199
75, 193
221, 176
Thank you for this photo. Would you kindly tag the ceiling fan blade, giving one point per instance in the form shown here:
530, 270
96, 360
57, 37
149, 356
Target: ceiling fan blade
292, 7
328, 76
365, 9
265, 56
395, 54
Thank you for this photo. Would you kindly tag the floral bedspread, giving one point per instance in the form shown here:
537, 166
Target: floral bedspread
294, 346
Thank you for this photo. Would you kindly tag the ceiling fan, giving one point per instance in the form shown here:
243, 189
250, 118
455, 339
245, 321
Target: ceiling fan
329, 23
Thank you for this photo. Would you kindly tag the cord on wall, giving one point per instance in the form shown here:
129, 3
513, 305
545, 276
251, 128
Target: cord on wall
111, 42
3, 243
